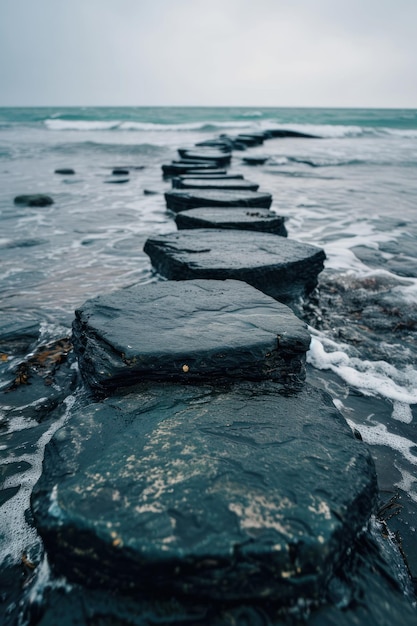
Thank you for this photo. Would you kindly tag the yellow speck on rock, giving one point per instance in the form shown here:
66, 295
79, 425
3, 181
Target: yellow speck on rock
185, 368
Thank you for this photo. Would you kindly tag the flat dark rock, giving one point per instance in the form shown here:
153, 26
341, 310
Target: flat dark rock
223, 184
242, 219
34, 199
211, 175
228, 494
118, 181
196, 172
250, 139
195, 162
65, 171
216, 156
181, 200
120, 171
188, 331
183, 168
282, 268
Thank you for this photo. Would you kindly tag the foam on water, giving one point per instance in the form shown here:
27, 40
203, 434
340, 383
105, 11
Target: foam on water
377, 434
373, 378
16, 535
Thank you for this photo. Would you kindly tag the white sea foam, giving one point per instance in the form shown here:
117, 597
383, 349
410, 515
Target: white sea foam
401, 411
16, 535
408, 483
379, 435
372, 378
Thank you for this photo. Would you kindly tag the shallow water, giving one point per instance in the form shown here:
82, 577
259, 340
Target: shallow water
353, 192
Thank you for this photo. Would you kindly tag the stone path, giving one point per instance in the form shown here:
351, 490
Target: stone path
205, 482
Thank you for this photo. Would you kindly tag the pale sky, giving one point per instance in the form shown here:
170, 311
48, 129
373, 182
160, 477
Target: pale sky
360, 53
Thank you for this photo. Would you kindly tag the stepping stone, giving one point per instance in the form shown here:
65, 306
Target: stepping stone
218, 144
34, 199
209, 173
120, 171
242, 219
183, 168
203, 183
117, 181
184, 491
282, 268
188, 331
254, 160
212, 175
218, 157
181, 200
251, 139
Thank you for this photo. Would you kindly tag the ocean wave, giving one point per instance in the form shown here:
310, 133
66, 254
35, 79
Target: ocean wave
252, 122
94, 125
405, 133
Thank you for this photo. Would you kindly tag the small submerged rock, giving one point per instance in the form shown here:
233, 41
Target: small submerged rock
34, 199
237, 218
254, 160
188, 331
65, 171
282, 268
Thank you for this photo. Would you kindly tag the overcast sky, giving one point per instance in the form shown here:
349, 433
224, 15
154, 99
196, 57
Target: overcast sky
208, 52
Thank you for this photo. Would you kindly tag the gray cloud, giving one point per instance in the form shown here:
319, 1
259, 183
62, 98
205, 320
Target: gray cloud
222, 52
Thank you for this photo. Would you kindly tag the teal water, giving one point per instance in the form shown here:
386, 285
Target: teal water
367, 118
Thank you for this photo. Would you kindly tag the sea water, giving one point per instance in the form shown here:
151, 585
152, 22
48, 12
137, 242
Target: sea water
352, 192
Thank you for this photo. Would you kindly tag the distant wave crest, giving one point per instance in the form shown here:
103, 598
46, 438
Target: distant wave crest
91, 125
254, 124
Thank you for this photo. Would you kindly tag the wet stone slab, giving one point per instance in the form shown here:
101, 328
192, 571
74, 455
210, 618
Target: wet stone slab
212, 175
234, 493
173, 169
188, 331
215, 156
223, 184
282, 268
182, 200
242, 219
